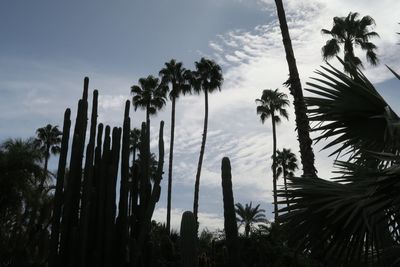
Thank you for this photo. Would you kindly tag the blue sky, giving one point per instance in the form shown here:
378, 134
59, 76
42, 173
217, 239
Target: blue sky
47, 47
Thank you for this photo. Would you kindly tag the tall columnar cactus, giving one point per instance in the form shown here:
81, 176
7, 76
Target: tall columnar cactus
91, 235
95, 200
86, 204
231, 230
154, 197
122, 220
144, 173
188, 240
103, 170
55, 226
110, 207
70, 222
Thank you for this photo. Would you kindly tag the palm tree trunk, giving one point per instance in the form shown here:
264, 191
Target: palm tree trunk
303, 126
171, 155
274, 169
284, 180
148, 123
247, 230
203, 144
46, 162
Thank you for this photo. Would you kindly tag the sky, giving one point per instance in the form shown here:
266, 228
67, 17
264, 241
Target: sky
47, 47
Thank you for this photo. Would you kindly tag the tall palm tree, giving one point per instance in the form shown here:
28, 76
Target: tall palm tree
303, 125
206, 78
350, 32
48, 139
173, 74
248, 216
286, 163
272, 105
149, 95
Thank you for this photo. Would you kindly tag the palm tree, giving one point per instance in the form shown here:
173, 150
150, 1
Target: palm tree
286, 163
249, 216
355, 214
206, 78
350, 31
303, 125
174, 74
49, 140
149, 95
21, 174
272, 105
134, 139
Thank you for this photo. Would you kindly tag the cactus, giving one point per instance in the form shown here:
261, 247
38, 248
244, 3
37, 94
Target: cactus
231, 230
188, 240
70, 222
110, 206
88, 183
122, 224
103, 168
154, 197
91, 235
55, 227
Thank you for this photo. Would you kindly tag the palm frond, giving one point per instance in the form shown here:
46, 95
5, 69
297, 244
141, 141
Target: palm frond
351, 113
355, 220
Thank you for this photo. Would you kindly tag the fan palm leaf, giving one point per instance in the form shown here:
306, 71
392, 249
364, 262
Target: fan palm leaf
358, 217
352, 114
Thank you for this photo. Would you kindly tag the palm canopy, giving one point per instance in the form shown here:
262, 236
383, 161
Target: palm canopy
352, 113
272, 103
286, 162
248, 215
350, 31
357, 216
48, 139
19, 173
207, 76
20, 156
134, 139
149, 94
175, 74
352, 220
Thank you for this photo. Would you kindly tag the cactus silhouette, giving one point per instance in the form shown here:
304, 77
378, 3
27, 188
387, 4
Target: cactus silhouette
231, 230
188, 241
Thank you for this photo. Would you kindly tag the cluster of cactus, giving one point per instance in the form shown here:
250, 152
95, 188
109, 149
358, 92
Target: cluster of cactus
86, 229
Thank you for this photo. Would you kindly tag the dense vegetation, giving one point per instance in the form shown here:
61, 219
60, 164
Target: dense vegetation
75, 217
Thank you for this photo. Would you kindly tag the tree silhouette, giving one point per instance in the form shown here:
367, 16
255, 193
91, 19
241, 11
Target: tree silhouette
134, 140
206, 78
302, 123
248, 216
21, 225
149, 95
286, 163
350, 32
173, 74
272, 105
351, 220
48, 139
